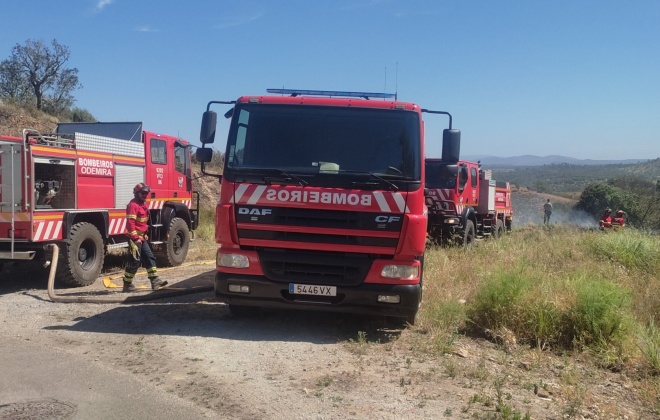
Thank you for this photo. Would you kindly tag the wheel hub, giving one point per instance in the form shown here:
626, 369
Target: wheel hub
82, 254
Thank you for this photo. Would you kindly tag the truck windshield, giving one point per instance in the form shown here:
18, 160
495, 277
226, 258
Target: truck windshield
438, 175
329, 140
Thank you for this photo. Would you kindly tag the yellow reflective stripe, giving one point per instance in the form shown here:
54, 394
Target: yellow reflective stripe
141, 219
131, 216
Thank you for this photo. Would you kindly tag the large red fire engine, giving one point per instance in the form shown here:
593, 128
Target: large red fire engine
322, 202
464, 202
72, 188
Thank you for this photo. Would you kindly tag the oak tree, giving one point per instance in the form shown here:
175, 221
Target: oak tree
36, 73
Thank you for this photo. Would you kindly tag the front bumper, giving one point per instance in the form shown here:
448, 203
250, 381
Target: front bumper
357, 300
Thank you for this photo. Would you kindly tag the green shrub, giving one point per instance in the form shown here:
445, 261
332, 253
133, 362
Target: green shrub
499, 302
649, 345
630, 248
446, 318
545, 323
600, 315
206, 228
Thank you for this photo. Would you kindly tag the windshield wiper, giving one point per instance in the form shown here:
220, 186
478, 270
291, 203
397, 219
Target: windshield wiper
378, 177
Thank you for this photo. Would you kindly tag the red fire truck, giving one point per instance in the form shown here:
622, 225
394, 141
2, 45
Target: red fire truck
322, 202
72, 188
464, 202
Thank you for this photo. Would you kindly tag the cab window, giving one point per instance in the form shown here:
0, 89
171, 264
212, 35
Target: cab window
181, 158
473, 172
463, 177
158, 151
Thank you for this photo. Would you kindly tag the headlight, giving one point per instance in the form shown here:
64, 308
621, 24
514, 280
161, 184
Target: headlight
400, 272
232, 260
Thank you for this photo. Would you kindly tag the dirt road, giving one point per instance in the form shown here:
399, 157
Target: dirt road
188, 354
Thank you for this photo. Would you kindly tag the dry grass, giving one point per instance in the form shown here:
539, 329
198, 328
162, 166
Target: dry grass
561, 289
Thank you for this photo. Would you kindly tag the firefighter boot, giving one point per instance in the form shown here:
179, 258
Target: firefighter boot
157, 283
129, 287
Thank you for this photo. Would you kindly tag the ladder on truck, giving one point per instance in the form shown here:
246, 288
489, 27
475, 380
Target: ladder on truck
10, 196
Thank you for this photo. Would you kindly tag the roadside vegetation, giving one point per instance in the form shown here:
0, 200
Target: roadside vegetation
586, 190
558, 291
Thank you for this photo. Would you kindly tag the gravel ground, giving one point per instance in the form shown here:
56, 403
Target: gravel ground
283, 364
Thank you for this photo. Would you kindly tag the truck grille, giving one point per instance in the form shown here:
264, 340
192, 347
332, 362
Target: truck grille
260, 223
331, 268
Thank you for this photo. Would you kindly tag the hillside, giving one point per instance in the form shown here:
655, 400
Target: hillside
566, 178
13, 120
532, 160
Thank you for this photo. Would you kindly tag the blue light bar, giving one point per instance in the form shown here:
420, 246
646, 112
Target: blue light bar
365, 95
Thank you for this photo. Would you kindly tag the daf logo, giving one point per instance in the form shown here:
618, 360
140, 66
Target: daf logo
387, 219
255, 211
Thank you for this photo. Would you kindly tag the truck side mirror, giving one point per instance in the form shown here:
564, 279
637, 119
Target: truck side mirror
203, 154
451, 145
207, 133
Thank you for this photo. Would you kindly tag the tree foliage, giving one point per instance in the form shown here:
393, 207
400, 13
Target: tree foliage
638, 198
217, 160
36, 74
81, 115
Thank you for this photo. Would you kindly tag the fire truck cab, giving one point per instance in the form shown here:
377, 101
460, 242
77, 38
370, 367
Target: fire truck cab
322, 202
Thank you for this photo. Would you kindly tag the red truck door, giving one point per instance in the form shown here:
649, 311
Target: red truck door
179, 185
158, 157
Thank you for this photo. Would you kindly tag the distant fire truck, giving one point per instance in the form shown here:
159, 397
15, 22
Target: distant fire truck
464, 202
322, 202
72, 188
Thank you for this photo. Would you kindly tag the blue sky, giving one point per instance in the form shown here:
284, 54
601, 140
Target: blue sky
565, 77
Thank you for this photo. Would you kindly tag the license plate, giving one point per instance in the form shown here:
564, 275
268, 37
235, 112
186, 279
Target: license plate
312, 289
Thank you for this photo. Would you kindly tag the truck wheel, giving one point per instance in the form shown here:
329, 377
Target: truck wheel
83, 256
499, 229
468, 235
175, 250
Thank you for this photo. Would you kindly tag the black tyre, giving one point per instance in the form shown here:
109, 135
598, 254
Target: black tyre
468, 235
174, 251
82, 256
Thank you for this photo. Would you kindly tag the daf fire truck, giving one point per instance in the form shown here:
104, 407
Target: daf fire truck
322, 202
72, 188
463, 200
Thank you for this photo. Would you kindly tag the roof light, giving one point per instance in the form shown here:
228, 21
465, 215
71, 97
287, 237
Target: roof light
365, 95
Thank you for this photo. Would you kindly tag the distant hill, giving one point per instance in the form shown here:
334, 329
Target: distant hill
565, 177
531, 160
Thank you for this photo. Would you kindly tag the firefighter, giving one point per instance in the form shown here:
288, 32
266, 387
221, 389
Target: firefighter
605, 220
137, 218
547, 211
617, 220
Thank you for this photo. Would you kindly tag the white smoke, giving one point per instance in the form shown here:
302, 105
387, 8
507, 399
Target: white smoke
528, 210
